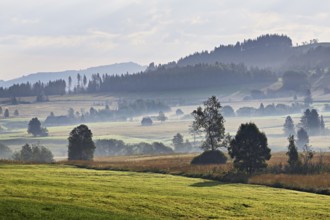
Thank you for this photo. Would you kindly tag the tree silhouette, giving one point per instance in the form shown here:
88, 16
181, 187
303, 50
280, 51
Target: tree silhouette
6, 114
211, 122
81, 145
161, 116
78, 80
178, 142
289, 127
179, 112
85, 81
249, 148
146, 121
36, 153
34, 127
16, 113
303, 137
293, 155
70, 83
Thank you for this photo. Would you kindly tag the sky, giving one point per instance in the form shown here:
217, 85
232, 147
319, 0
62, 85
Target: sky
56, 35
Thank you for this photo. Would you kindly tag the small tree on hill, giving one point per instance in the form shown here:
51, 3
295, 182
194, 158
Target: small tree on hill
81, 145
289, 127
293, 155
249, 148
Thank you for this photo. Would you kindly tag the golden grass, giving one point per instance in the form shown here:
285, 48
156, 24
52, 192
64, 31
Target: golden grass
179, 164
318, 181
171, 164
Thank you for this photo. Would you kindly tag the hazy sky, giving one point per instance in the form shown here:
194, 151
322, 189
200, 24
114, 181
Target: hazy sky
54, 35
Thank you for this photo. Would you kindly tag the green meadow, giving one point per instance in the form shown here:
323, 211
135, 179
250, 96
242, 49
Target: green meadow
64, 192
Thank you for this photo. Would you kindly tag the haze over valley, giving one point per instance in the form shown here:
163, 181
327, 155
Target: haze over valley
163, 110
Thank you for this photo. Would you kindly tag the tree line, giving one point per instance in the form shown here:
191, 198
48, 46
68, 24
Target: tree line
262, 51
123, 111
56, 87
162, 78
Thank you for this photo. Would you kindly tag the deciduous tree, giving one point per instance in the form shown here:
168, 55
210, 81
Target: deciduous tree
249, 148
81, 145
210, 122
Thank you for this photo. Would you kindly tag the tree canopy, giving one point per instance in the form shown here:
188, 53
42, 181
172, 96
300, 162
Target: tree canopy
249, 148
34, 128
81, 145
289, 127
34, 153
211, 122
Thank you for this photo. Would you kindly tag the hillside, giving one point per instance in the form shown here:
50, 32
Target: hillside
113, 69
267, 51
264, 61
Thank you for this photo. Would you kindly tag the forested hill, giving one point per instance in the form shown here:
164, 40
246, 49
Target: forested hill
199, 76
267, 51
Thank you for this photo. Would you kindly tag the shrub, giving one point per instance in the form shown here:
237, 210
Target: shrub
210, 157
146, 121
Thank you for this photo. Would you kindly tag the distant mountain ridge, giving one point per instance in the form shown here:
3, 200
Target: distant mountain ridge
113, 69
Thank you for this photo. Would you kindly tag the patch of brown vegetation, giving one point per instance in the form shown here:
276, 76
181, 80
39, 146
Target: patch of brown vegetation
179, 164
312, 183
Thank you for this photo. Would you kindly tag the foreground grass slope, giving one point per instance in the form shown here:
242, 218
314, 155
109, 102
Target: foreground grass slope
64, 192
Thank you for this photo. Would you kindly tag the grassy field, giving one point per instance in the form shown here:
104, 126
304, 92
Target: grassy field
64, 192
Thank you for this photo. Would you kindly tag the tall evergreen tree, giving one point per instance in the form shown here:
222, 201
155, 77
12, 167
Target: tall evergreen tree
85, 81
78, 81
70, 83
293, 155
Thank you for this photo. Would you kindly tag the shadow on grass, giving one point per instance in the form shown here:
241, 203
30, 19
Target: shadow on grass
207, 184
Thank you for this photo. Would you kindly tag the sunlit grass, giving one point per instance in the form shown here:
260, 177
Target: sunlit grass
62, 192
